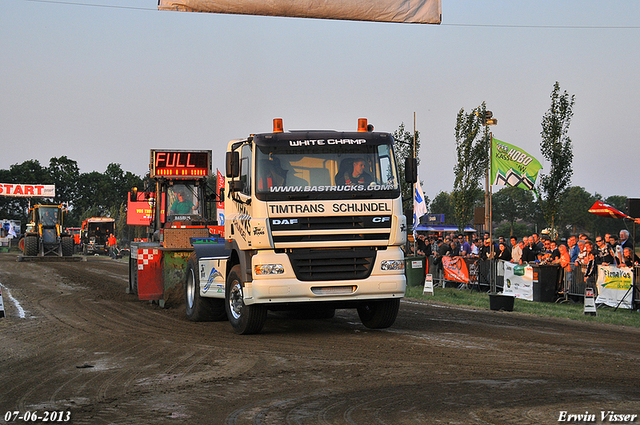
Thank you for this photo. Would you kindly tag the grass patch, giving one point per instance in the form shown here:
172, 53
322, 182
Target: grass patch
570, 310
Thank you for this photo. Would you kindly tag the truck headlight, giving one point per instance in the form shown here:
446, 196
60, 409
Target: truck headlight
263, 269
392, 265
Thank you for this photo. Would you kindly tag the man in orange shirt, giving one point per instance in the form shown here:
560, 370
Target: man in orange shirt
112, 242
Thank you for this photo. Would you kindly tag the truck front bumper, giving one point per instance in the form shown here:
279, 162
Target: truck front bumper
284, 287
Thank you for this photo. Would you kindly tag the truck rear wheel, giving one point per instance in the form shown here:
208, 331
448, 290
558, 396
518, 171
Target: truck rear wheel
245, 319
379, 314
67, 246
31, 245
199, 308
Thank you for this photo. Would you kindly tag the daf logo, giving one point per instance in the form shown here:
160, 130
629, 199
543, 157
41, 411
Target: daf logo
381, 219
284, 221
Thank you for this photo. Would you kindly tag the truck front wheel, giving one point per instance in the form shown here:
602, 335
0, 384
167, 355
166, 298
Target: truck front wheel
245, 319
379, 314
199, 308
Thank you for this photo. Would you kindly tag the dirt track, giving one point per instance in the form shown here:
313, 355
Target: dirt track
87, 347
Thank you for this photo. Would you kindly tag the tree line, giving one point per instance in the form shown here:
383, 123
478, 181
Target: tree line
92, 194
558, 206
516, 211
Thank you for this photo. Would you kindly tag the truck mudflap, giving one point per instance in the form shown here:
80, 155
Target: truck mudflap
211, 256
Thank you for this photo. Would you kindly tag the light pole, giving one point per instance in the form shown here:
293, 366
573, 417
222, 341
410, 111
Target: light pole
488, 120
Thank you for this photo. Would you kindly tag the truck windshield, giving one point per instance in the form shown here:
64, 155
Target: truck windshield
183, 202
322, 172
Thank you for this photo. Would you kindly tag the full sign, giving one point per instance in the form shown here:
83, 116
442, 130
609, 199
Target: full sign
180, 164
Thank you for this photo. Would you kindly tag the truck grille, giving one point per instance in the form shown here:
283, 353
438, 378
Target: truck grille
332, 264
323, 229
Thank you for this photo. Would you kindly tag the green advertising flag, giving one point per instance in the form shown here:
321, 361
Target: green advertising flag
511, 166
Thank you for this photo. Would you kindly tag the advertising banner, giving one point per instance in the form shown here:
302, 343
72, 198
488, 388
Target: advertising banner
401, 11
518, 281
28, 190
455, 269
139, 212
220, 205
512, 166
613, 286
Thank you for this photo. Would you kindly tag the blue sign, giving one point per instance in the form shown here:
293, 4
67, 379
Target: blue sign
432, 218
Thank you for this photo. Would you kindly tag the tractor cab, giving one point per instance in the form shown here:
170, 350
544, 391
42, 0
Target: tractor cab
45, 235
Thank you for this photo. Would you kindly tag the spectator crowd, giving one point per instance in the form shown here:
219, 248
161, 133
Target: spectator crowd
573, 254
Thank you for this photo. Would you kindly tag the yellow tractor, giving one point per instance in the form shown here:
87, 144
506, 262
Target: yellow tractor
45, 235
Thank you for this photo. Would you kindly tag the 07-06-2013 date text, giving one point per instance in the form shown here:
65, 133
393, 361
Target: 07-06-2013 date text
35, 416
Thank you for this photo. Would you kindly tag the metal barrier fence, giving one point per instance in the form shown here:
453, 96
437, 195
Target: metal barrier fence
481, 271
575, 284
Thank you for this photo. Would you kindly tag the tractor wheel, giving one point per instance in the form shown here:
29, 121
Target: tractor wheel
30, 246
67, 246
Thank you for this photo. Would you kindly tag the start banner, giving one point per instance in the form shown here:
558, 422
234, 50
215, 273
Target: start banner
28, 190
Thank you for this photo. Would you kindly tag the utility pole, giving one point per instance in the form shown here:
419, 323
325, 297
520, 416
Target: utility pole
488, 120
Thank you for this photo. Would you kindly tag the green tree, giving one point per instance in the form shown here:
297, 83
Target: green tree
472, 148
64, 173
557, 148
511, 204
518, 230
403, 149
574, 214
443, 204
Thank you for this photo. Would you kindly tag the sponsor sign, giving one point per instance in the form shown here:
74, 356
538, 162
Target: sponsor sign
140, 212
455, 269
613, 286
220, 204
286, 209
518, 281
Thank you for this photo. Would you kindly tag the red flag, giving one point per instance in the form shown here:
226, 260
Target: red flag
606, 210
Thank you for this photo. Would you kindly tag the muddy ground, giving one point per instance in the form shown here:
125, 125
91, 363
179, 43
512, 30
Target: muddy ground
87, 347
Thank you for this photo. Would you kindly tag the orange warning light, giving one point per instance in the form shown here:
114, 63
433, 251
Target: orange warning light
362, 124
277, 125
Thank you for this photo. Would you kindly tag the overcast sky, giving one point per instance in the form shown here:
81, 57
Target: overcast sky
105, 81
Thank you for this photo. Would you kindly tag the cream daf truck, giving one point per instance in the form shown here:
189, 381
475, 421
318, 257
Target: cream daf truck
313, 221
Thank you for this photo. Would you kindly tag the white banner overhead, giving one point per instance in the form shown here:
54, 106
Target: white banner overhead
402, 11
28, 190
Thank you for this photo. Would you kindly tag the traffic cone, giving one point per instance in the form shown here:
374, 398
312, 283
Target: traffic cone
1, 305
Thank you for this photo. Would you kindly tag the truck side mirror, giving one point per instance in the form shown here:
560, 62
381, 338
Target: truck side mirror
236, 186
233, 164
410, 170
